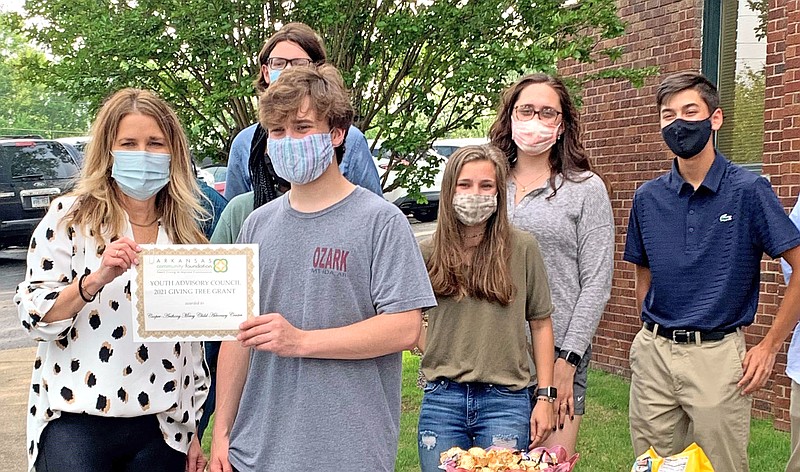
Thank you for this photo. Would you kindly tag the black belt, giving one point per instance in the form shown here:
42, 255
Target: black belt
684, 336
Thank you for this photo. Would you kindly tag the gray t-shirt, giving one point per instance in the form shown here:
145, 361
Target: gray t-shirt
321, 270
575, 230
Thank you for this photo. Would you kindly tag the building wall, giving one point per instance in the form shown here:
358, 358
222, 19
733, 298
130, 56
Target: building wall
782, 163
622, 136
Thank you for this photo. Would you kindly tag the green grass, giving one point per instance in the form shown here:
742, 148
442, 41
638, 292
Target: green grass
604, 442
407, 458
769, 449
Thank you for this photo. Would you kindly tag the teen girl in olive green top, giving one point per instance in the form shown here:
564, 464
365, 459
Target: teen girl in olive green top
491, 288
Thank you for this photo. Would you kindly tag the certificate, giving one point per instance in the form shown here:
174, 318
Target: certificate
183, 292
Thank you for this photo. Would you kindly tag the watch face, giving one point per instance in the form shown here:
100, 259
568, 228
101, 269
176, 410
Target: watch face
570, 357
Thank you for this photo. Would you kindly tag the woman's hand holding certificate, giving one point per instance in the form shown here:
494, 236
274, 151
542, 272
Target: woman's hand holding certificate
194, 292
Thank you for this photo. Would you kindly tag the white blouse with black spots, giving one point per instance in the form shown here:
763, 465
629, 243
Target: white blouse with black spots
90, 363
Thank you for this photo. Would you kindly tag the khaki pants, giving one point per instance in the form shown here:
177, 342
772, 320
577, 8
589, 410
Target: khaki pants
684, 393
794, 413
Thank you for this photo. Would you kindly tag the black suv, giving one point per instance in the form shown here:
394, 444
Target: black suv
32, 173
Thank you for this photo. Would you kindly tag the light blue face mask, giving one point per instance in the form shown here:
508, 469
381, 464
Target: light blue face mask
140, 174
301, 160
273, 75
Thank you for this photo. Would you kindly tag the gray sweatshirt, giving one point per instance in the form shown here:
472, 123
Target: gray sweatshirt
575, 231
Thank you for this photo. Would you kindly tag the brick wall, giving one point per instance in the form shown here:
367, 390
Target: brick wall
622, 136
782, 163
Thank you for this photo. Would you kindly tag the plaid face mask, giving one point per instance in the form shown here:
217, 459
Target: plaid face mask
301, 160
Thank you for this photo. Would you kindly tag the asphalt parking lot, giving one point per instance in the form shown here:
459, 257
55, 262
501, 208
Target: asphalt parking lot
12, 266
17, 352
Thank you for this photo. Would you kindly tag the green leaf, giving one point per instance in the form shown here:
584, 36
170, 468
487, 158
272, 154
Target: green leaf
418, 70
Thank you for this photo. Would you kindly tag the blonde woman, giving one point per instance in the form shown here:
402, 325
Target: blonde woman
491, 287
100, 401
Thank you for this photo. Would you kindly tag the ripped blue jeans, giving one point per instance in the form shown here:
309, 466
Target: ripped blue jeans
471, 414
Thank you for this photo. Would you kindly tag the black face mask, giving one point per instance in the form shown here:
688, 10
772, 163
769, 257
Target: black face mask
687, 138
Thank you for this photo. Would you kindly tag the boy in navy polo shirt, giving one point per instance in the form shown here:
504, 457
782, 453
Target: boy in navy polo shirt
697, 235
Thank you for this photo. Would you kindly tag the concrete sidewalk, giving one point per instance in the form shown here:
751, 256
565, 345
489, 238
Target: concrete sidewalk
15, 380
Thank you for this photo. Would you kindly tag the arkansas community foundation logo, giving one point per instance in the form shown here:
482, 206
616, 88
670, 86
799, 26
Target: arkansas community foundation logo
220, 265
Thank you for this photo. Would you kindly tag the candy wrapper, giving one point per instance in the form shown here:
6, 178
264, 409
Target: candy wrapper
476, 459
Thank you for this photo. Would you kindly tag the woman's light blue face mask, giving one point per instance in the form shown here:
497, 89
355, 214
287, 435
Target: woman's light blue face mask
273, 75
140, 174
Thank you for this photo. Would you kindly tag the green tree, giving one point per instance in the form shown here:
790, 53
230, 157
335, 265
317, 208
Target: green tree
418, 69
744, 142
762, 7
28, 105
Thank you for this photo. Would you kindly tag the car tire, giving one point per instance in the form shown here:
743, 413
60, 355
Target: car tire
427, 215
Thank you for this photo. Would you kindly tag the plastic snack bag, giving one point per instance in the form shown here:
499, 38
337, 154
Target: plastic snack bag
692, 459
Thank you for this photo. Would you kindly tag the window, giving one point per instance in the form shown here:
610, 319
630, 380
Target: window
37, 160
734, 55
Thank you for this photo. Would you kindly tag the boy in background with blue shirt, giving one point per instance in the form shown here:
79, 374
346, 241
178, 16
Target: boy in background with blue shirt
293, 43
696, 236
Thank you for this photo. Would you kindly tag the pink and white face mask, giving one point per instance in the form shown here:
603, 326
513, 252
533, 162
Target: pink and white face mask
533, 137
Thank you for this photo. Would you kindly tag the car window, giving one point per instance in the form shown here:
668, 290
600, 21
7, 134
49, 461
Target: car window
445, 151
47, 160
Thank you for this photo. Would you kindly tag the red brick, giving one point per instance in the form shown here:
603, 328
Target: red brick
623, 142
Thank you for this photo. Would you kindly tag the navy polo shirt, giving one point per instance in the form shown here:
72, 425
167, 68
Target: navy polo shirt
704, 247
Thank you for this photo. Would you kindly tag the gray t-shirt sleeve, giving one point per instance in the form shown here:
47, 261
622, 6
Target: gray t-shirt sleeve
595, 232
399, 280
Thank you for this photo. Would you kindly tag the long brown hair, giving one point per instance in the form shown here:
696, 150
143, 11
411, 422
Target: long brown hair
267, 184
567, 156
99, 208
298, 33
487, 277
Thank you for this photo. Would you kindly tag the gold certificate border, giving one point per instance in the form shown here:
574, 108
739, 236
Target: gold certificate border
144, 333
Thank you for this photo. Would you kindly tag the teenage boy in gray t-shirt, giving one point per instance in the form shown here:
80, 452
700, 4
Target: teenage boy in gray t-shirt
314, 382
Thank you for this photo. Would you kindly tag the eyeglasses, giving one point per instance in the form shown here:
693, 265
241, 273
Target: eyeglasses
547, 115
280, 63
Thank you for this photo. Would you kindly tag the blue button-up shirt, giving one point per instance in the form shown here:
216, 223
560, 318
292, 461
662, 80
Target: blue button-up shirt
793, 354
704, 246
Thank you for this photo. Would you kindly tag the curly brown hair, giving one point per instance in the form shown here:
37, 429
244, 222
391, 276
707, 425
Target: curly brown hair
567, 156
324, 87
